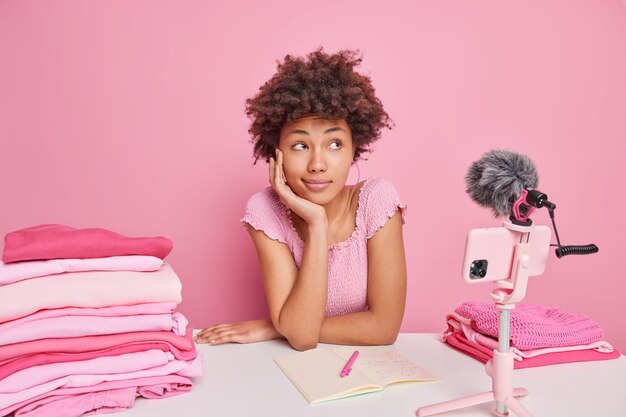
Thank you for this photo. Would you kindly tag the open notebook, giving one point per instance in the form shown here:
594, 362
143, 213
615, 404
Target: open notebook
316, 372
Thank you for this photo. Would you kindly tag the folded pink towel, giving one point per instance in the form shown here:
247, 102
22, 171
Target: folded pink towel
533, 326
56, 241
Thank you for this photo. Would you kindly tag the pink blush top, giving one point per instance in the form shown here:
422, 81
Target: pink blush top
347, 260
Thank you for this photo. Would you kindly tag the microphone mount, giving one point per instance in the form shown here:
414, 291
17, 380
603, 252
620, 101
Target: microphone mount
532, 199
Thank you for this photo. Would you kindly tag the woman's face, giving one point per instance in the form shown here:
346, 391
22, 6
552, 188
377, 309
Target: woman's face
317, 154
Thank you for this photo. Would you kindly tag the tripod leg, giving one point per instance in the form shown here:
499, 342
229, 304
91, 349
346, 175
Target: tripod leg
520, 392
459, 403
517, 408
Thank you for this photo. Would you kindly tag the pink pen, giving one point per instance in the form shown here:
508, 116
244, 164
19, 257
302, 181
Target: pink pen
348, 368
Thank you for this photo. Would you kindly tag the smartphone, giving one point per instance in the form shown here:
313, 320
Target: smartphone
489, 253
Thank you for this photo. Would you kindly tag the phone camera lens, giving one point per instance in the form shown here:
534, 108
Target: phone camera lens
478, 269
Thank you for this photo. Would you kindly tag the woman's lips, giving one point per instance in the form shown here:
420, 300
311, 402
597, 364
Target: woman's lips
316, 185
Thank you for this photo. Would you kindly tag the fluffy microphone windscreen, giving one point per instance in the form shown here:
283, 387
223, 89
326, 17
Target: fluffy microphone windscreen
497, 179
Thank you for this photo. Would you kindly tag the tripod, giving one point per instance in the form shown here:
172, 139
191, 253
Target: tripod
500, 368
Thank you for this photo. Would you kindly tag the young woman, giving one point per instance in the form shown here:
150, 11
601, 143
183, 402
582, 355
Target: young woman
331, 254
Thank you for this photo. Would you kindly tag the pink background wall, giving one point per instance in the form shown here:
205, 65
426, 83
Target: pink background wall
129, 115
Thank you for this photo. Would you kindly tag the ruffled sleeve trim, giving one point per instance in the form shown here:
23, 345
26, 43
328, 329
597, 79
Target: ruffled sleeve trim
266, 213
379, 201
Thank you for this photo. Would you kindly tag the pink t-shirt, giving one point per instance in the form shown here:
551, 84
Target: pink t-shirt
347, 260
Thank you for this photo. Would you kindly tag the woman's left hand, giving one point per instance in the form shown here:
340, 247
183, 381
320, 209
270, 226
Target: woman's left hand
243, 332
310, 212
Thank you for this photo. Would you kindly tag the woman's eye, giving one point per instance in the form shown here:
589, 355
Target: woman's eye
299, 147
335, 144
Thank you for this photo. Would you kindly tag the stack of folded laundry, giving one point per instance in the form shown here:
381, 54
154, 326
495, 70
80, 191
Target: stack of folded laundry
538, 335
88, 322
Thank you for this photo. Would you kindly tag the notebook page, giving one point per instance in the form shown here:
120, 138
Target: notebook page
384, 365
316, 374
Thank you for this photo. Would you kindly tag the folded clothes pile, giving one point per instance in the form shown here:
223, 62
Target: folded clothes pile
538, 335
88, 322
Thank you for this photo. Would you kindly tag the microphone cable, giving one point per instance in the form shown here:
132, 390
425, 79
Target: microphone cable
571, 249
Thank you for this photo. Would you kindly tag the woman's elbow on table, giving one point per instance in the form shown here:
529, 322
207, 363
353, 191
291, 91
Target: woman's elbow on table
386, 334
388, 338
298, 340
302, 343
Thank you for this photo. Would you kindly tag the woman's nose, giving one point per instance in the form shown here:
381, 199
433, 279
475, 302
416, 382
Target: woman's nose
317, 162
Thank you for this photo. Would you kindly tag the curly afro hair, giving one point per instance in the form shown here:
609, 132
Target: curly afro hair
323, 84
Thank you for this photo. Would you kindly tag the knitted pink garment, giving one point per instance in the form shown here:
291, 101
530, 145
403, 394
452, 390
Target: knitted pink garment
56, 241
533, 326
347, 260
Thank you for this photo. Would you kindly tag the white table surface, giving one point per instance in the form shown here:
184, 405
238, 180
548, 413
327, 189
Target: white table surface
243, 380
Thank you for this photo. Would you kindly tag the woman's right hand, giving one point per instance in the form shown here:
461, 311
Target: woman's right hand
250, 331
310, 212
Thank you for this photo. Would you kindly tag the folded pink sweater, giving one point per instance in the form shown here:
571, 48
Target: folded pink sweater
533, 326
54, 241
458, 340
99, 402
183, 368
460, 324
148, 387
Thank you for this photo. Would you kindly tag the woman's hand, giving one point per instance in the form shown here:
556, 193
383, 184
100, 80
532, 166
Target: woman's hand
310, 212
243, 332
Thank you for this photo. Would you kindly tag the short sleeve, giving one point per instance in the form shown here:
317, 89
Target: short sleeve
379, 201
265, 212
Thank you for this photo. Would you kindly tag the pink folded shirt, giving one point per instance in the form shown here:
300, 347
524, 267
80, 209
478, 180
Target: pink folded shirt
52, 241
18, 271
74, 326
46, 351
113, 311
128, 362
88, 289
148, 387
78, 345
